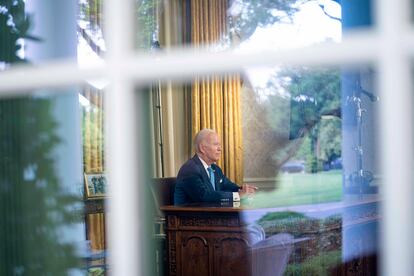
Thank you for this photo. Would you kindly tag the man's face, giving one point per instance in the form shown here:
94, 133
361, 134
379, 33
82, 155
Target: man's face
211, 147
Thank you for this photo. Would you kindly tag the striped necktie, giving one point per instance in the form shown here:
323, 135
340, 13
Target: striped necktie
211, 174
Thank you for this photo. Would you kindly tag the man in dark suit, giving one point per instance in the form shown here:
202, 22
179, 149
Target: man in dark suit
201, 180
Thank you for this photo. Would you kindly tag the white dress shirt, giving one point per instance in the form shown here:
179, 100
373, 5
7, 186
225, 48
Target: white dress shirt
236, 195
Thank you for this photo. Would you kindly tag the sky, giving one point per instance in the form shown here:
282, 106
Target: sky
310, 25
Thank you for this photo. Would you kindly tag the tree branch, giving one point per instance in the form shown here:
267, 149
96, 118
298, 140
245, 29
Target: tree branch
328, 15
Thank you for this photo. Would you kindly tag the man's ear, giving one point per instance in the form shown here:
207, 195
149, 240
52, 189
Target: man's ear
201, 148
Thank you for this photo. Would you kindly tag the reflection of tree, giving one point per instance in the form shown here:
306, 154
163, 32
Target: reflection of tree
330, 140
323, 87
91, 12
247, 15
33, 207
146, 22
14, 25
264, 143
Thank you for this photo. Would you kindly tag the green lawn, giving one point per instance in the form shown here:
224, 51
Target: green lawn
299, 189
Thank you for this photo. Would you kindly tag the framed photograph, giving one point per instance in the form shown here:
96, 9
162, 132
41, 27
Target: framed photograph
95, 185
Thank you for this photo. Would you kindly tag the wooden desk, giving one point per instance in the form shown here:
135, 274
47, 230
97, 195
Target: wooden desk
207, 240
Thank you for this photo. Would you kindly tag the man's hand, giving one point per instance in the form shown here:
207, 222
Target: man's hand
247, 190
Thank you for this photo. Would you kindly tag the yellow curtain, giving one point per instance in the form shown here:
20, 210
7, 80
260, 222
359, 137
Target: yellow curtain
215, 100
92, 134
93, 152
96, 231
93, 157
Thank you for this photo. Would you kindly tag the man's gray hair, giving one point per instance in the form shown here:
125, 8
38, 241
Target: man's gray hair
200, 137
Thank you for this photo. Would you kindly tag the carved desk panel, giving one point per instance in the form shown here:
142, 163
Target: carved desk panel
207, 241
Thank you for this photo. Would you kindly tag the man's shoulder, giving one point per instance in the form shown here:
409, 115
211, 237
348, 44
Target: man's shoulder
190, 163
190, 166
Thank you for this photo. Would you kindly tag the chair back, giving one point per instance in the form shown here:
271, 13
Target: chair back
163, 190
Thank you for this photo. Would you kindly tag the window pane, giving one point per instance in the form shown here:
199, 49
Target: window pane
247, 25
306, 137
35, 33
41, 185
91, 45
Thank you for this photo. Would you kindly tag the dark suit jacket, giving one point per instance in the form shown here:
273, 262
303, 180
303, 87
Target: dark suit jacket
193, 184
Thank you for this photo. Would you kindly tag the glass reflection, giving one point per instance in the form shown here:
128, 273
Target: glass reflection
91, 50
283, 24
239, 24
309, 143
39, 198
319, 127
13, 28
42, 230
300, 112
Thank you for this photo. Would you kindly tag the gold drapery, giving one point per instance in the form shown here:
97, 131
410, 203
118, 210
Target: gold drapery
215, 100
93, 146
93, 157
92, 127
96, 231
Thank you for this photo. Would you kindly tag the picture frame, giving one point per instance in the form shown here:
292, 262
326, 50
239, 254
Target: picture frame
95, 185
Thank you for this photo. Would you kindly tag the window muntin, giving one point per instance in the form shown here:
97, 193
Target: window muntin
300, 147
356, 56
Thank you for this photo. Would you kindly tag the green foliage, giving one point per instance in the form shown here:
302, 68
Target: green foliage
316, 266
322, 84
14, 25
302, 188
304, 150
91, 11
330, 139
322, 142
97, 271
33, 207
322, 254
146, 22
311, 163
298, 224
280, 215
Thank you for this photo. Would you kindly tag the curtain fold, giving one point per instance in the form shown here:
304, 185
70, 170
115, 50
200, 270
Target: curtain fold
93, 156
93, 128
96, 231
215, 99
93, 151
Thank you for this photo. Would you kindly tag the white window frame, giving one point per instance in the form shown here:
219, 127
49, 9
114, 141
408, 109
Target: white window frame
389, 46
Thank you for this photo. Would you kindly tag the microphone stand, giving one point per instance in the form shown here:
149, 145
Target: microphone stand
360, 178
156, 47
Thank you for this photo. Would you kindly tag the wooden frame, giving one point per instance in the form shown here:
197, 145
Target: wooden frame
95, 185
